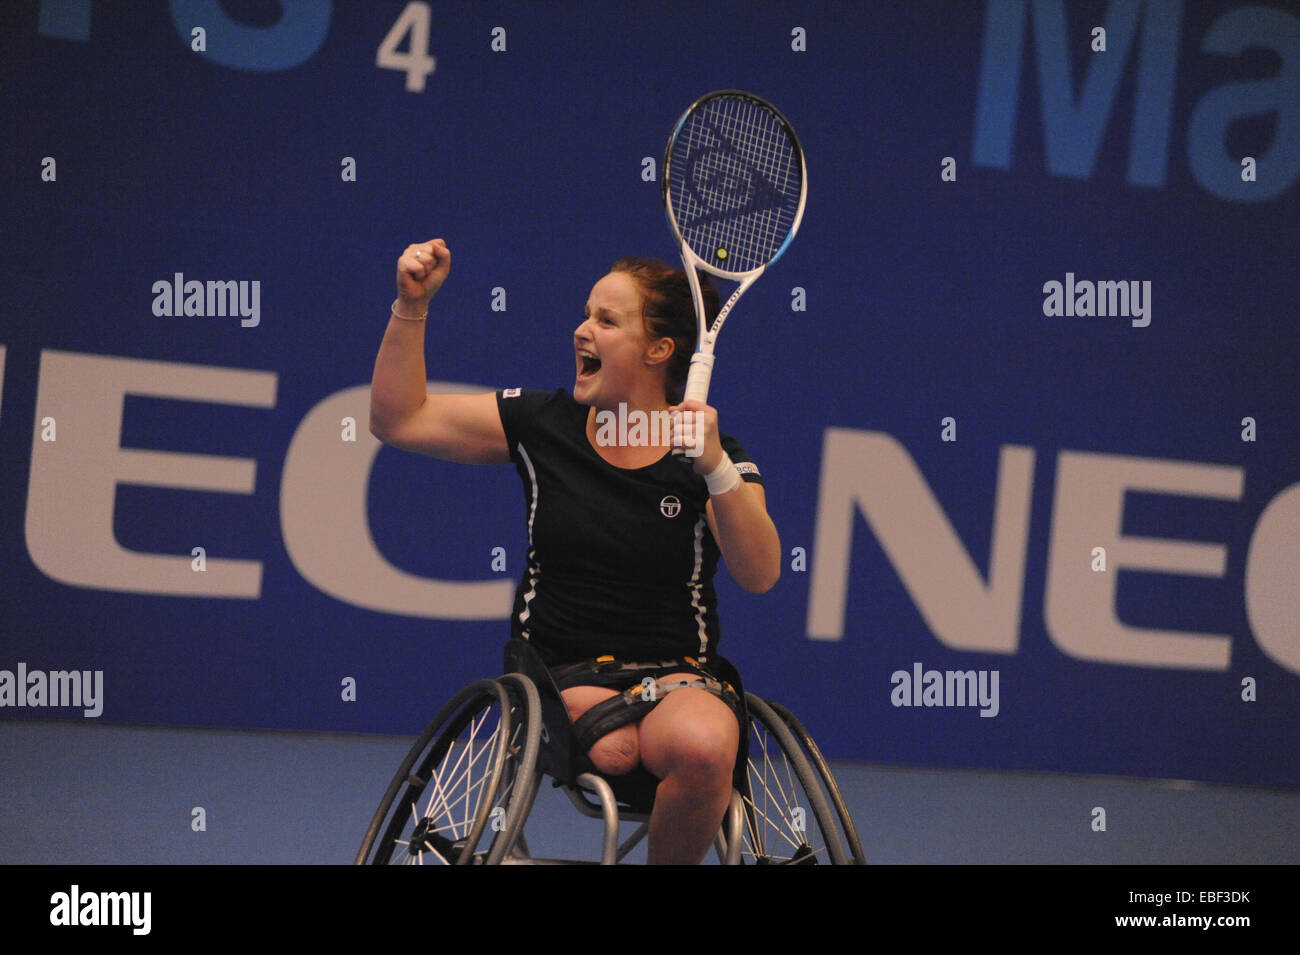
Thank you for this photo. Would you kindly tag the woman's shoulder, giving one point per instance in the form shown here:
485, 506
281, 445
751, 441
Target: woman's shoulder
533, 411
741, 458
536, 394
536, 399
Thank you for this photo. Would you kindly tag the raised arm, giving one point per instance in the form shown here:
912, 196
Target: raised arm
464, 428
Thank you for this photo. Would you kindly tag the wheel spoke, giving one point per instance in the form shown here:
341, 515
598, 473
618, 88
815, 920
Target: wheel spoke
464, 766
454, 789
774, 793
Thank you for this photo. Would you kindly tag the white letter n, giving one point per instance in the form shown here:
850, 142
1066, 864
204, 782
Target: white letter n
872, 473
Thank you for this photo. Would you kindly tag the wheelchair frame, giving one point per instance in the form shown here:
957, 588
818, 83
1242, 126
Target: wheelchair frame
464, 791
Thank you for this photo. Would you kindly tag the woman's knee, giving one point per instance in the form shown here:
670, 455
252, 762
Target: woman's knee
692, 734
703, 756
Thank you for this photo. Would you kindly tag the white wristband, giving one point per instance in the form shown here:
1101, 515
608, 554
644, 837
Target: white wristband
723, 478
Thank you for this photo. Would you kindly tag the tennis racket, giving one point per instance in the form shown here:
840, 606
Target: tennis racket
734, 186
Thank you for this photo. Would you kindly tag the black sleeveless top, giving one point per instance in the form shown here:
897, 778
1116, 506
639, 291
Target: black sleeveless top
620, 560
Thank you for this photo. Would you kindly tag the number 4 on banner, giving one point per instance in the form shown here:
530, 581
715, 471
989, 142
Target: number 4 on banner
417, 64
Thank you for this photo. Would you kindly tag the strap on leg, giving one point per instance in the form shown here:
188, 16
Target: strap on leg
635, 703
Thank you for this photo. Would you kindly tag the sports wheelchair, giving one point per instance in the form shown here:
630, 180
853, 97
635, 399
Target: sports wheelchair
463, 793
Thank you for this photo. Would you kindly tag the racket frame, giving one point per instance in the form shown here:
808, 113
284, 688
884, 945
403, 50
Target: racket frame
701, 373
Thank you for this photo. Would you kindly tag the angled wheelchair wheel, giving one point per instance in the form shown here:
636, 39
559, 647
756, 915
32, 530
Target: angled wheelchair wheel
788, 819
520, 776
810, 749
450, 802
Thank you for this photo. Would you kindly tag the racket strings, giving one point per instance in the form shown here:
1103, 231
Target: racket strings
735, 180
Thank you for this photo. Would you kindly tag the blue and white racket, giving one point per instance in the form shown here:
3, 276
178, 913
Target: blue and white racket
734, 186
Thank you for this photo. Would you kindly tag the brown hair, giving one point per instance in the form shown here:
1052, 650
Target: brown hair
668, 311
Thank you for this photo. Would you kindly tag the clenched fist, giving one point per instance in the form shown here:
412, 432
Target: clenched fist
420, 273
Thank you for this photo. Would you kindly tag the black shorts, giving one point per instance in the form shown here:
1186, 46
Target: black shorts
623, 675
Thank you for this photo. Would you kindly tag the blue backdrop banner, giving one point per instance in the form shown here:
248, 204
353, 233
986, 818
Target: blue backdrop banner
1024, 390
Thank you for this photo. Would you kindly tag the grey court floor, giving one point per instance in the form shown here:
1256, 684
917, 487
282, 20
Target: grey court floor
103, 794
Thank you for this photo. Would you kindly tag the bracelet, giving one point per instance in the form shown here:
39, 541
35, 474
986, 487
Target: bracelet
723, 478
409, 318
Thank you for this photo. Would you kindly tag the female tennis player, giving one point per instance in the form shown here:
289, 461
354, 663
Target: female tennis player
624, 536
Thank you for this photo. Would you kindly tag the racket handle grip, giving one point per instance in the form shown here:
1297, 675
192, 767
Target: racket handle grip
697, 380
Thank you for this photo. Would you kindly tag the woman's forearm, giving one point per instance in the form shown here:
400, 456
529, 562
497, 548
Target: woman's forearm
747, 538
398, 385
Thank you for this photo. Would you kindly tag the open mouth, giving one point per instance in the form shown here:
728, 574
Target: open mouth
588, 365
